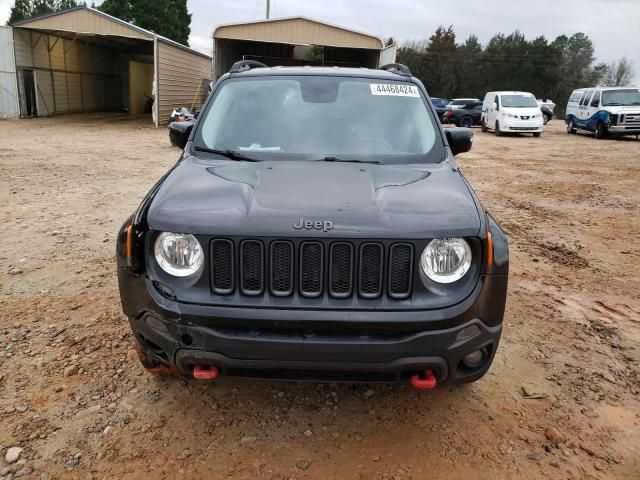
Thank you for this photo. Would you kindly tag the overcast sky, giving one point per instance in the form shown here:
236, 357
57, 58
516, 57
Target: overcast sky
612, 25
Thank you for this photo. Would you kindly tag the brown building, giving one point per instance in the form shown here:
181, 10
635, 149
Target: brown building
297, 41
83, 60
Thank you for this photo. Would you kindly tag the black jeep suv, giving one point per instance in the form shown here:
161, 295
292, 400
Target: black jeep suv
315, 227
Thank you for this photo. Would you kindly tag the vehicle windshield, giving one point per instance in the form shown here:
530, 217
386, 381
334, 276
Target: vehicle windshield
518, 101
625, 97
315, 117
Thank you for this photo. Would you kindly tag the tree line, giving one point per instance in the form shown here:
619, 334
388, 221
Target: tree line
169, 18
548, 69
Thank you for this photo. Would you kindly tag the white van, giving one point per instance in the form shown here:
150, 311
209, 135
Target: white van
604, 111
516, 112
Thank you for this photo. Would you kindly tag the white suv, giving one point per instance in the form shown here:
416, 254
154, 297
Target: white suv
515, 112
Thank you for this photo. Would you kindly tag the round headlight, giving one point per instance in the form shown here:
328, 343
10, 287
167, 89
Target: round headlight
446, 260
178, 254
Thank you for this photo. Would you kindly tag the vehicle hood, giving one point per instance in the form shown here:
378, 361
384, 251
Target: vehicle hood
527, 111
213, 197
622, 109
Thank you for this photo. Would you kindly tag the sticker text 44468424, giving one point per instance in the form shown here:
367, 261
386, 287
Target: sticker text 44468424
394, 89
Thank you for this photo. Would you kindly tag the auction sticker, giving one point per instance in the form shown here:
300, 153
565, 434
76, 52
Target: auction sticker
394, 89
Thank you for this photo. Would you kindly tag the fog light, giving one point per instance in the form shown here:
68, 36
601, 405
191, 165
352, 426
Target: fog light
474, 359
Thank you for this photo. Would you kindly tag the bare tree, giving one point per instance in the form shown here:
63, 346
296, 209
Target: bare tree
619, 74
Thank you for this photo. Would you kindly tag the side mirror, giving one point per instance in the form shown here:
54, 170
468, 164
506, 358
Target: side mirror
459, 139
179, 133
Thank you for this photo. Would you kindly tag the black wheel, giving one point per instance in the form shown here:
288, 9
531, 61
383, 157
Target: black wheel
545, 118
466, 122
536, 134
571, 127
601, 131
483, 126
498, 132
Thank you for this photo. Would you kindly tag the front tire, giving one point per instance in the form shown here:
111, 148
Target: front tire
545, 118
498, 132
536, 134
483, 126
601, 131
571, 127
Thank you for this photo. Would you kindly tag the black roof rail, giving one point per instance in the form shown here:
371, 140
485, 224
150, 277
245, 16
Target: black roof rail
397, 68
244, 65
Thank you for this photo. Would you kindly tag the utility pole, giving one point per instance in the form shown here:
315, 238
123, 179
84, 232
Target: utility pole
268, 8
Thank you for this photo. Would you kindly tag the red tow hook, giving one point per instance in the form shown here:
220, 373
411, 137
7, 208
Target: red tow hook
205, 372
426, 383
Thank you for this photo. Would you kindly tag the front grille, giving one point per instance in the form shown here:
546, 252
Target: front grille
630, 119
312, 268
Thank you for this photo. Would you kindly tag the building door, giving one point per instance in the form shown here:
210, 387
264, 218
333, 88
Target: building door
9, 106
29, 84
140, 87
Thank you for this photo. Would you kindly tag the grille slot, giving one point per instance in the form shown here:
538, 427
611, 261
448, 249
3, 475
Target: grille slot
251, 267
281, 275
222, 266
370, 281
340, 269
400, 270
311, 263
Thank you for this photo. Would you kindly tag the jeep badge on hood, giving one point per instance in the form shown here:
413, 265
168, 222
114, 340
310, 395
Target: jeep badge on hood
324, 225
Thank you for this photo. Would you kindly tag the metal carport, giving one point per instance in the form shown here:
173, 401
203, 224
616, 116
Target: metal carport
297, 41
83, 60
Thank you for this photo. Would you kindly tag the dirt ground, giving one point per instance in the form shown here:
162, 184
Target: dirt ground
561, 400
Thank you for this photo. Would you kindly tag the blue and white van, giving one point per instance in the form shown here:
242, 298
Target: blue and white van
604, 111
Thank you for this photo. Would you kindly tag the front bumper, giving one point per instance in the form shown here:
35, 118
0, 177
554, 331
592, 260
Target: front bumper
523, 126
367, 346
624, 129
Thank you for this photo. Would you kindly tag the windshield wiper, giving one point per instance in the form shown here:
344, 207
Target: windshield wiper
345, 160
232, 154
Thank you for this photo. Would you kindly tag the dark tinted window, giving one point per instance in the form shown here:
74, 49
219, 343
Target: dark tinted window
595, 101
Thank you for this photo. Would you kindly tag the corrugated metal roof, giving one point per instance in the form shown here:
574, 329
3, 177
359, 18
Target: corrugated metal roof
298, 31
87, 20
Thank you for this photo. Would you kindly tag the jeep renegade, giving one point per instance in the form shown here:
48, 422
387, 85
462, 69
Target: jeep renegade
316, 227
